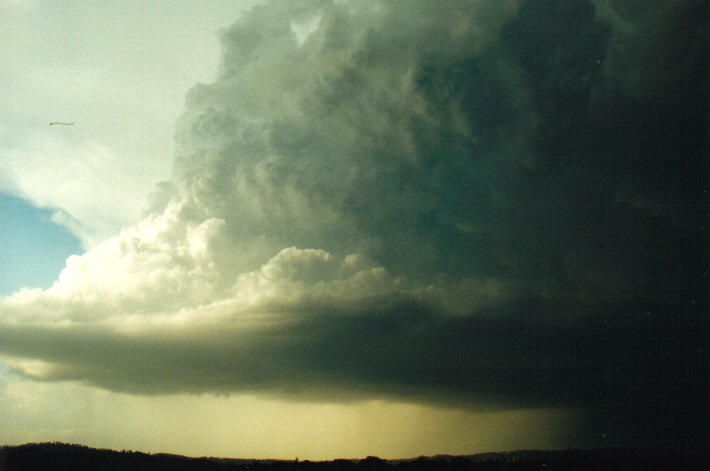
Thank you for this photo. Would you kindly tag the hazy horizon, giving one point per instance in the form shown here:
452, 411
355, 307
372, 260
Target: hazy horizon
331, 228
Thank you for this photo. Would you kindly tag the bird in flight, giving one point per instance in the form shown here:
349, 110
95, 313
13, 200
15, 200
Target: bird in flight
59, 122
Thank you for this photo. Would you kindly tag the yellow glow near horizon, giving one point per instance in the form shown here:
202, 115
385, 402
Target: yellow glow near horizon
248, 426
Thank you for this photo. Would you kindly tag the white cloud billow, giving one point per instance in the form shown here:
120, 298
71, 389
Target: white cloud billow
278, 210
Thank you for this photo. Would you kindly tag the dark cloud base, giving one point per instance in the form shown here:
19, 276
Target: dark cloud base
636, 369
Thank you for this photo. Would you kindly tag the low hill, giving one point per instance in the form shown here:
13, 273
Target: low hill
59, 456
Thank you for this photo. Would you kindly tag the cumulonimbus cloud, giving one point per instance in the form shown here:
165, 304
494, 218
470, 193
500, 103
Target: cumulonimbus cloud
449, 201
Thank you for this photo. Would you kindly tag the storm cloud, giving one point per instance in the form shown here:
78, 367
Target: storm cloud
487, 204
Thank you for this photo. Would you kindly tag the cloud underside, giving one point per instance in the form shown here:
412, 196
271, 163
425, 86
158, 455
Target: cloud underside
470, 202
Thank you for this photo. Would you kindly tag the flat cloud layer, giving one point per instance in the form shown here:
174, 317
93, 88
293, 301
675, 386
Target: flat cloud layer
121, 79
476, 203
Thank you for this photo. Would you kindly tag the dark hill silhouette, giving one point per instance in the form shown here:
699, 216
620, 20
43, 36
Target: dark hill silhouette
60, 457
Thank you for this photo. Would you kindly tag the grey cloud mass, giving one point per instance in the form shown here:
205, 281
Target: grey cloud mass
490, 204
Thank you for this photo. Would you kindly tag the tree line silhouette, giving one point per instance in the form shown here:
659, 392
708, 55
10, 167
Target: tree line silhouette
60, 456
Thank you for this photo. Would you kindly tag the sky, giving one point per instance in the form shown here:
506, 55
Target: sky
33, 247
331, 228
